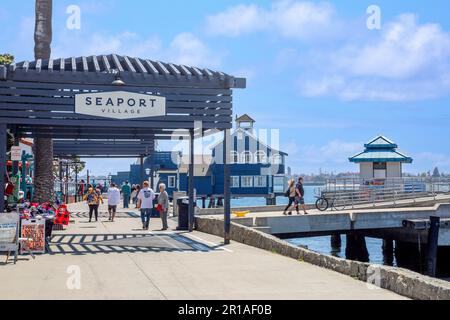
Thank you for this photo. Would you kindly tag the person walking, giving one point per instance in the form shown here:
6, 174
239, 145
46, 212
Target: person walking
133, 194
113, 201
300, 195
126, 192
93, 200
290, 193
135, 199
163, 204
145, 204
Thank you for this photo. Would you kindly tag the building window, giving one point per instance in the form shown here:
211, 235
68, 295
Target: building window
261, 157
234, 157
171, 182
270, 181
379, 170
247, 157
261, 181
234, 181
247, 181
276, 159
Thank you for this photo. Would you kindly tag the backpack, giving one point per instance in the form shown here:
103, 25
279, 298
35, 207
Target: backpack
287, 194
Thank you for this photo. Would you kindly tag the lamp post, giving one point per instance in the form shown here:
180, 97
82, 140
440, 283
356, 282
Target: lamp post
147, 172
180, 155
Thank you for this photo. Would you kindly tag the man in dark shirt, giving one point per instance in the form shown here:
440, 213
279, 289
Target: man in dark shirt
300, 195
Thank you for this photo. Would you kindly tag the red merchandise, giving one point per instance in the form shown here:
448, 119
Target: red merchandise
159, 208
9, 187
62, 216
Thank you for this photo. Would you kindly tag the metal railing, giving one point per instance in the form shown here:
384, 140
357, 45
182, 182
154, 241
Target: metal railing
354, 192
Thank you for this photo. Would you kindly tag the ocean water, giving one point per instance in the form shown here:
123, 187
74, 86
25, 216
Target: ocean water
323, 245
250, 202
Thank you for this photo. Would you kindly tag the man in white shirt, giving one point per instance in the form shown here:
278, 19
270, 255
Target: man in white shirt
113, 201
145, 203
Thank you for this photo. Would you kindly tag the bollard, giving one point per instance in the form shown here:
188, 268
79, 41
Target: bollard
432, 245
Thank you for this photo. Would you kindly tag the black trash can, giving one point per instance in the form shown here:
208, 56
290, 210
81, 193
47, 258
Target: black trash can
183, 213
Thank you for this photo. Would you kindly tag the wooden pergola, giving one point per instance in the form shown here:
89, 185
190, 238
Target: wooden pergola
37, 99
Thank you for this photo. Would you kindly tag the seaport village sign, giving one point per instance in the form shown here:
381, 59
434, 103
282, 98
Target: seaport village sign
120, 105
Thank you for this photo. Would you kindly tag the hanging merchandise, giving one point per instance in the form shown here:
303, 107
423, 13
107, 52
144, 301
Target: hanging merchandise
62, 216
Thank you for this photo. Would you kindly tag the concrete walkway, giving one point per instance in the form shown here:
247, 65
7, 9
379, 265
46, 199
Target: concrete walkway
120, 261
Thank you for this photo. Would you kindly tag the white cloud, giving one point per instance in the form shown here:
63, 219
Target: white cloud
432, 160
185, 48
408, 61
237, 20
288, 18
332, 155
71, 43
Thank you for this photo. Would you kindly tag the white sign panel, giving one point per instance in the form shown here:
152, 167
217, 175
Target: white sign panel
120, 105
9, 222
16, 153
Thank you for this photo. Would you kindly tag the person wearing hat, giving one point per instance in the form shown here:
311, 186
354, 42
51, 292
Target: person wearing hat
93, 199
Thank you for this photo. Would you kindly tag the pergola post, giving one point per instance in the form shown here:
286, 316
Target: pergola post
2, 165
142, 172
226, 187
15, 164
191, 180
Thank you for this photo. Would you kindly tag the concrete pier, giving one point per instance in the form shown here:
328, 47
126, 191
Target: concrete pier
120, 261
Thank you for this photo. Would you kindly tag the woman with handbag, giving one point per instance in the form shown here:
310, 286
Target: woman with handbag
163, 205
93, 199
290, 193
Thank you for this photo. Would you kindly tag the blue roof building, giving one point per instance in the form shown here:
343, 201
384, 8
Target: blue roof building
380, 159
254, 165
256, 168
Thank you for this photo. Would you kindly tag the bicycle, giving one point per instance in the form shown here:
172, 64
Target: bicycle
323, 203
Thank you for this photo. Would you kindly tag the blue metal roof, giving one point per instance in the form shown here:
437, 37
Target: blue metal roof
380, 156
380, 142
380, 149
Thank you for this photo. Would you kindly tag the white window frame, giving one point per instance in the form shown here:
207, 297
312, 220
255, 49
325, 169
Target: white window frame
244, 158
277, 159
260, 157
169, 184
234, 157
233, 180
262, 179
243, 179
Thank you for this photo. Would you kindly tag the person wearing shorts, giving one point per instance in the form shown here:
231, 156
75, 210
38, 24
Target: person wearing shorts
300, 196
113, 201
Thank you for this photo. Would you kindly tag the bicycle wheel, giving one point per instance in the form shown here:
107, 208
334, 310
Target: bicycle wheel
322, 204
339, 204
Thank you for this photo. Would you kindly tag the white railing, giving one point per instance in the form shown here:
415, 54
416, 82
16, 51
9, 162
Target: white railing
355, 192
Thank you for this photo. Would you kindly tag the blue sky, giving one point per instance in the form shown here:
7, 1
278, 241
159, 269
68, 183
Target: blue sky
314, 69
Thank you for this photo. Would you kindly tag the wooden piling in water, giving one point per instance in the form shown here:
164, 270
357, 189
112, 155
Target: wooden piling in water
432, 245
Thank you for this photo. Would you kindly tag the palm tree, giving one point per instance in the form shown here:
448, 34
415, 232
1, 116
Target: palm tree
43, 147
